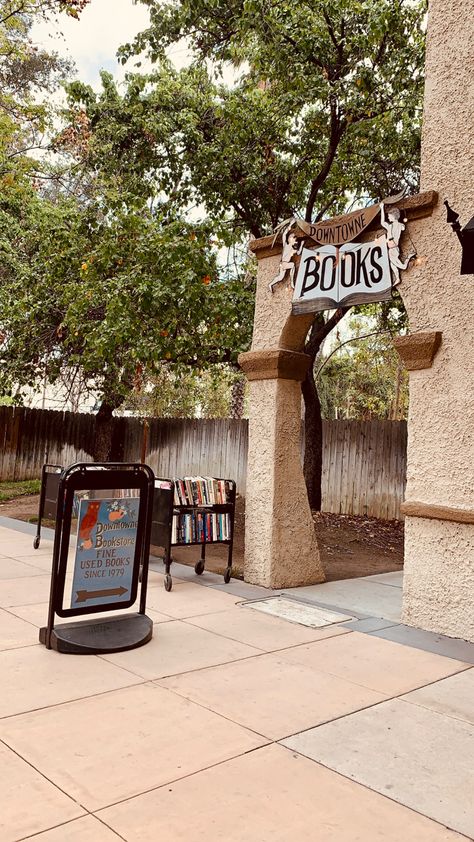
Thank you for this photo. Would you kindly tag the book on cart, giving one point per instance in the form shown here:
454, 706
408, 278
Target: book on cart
194, 511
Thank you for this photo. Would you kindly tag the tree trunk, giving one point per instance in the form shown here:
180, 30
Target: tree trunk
313, 440
104, 428
237, 398
313, 423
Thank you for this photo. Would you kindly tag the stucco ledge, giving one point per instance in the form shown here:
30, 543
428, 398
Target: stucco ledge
273, 364
418, 350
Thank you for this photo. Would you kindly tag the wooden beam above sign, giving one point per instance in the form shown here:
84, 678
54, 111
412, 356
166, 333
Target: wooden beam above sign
418, 206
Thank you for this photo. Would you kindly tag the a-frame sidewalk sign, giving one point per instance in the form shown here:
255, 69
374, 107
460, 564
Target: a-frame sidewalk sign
101, 568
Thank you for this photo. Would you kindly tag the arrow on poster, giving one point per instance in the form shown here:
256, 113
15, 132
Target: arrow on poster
83, 596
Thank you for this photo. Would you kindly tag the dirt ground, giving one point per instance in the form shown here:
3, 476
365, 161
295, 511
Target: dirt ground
349, 546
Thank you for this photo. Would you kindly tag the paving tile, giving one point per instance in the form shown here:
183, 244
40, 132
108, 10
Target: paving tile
188, 600
260, 630
15, 632
38, 614
13, 569
24, 591
449, 647
370, 624
417, 757
41, 563
271, 695
371, 662
238, 588
394, 579
87, 829
453, 696
22, 527
35, 677
370, 598
178, 647
185, 573
269, 795
107, 748
28, 802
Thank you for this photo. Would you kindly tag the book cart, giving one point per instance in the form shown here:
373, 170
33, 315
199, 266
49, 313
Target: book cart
203, 512
48, 504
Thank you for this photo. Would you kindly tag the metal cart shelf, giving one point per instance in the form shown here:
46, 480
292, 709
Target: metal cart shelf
162, 503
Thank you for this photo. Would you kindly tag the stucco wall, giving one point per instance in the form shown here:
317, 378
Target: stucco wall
439, 555
280, 543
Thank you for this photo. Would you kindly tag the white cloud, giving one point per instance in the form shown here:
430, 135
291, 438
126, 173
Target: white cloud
93, 40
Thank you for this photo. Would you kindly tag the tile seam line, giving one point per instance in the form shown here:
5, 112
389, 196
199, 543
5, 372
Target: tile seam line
433, 710
465, 667
258, 654
182, 778
381, 794
64, 824
72, 701
45, 777
38, 572
398, 697
200, 705
277, 740
268, 651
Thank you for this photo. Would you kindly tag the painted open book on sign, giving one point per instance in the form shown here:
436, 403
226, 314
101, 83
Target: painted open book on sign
330, 276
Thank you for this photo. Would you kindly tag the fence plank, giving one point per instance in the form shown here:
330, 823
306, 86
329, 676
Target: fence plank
364, 462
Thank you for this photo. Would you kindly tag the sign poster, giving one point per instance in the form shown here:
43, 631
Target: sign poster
105, 551
330, 277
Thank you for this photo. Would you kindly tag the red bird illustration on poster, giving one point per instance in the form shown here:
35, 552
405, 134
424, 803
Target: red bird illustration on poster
87, 524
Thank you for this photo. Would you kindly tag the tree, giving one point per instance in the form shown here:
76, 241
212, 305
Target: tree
109, 297
363, 376
97, 285
325, 110
183, 392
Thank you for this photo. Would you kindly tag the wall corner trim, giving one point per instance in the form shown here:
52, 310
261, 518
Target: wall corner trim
418, 350
431, 511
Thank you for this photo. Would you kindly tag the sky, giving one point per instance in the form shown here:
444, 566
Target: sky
93, 40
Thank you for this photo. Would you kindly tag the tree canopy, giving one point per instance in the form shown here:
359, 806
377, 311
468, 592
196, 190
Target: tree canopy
284, 109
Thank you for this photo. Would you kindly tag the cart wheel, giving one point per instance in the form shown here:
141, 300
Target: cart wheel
199, 567
168, 582
36, 542
227, 575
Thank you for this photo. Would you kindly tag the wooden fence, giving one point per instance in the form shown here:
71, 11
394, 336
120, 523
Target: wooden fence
364, 467
364, 462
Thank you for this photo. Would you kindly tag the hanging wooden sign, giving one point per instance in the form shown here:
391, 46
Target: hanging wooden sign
330, 277
341, 229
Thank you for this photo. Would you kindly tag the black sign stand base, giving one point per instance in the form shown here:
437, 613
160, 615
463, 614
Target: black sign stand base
98, 637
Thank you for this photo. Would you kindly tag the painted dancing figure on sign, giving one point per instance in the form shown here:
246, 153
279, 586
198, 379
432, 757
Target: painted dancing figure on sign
291, 248
394, 229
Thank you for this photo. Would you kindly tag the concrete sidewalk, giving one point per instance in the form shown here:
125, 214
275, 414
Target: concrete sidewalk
233, 723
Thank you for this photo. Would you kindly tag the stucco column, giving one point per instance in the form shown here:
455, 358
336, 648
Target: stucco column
439, 549
280, 541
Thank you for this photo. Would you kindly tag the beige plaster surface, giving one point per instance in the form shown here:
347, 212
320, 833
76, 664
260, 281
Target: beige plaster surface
439, 562
280, 542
